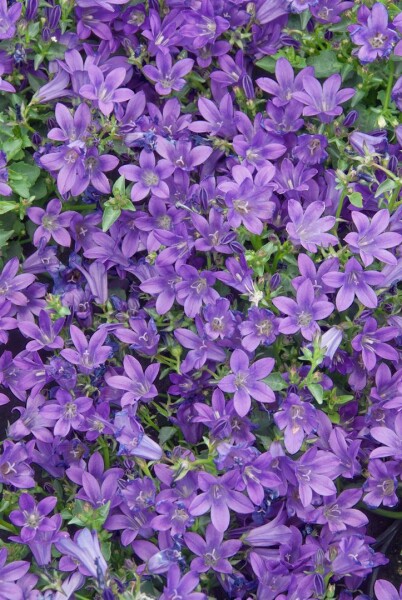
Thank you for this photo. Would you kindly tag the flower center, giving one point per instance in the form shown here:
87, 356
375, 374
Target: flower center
70, 410
264, 327
378, 40
304, 319
150, 178
241, 206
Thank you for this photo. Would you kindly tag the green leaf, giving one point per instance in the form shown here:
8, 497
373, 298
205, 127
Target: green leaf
356, 199
11, 148
110, 216
325, 63
317, 392
276, 382
267, 63
22, 177
7, 206
165, 434
119, 186
4, 236
344, 399
386, 186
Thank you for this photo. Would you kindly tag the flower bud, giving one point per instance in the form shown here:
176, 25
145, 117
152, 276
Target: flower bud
350, 118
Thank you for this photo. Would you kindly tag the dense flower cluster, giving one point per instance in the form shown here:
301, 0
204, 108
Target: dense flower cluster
201, 247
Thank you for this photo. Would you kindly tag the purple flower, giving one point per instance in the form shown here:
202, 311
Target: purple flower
370, 342
85, 550
181, 587
14, 468
372, 33
72, 130
370, 240
354, 282
308, 271
382, 484
245, 381
384, 590
261, 327
168, 77
215, 233
11, 283
298, 419
163, 286
219, 121
366, 144
8, 19
182, 155
308, 228
302, 314
69, 412
257, 476
87, 355
337, 512
131, 437
200, 346
137, 384
291, 179
5, 189
212, 553
148, 176
195, 289
106, 92
329, 11
11, 572
324, 101
287, 85
391, 440
314, 471
273, 533
52, 223
142, 336
203, 26
220, 322
32, 516
46, 335
310, 149
218, 496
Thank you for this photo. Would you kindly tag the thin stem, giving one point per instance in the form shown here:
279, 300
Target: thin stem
339, 210
390, 514
389, 85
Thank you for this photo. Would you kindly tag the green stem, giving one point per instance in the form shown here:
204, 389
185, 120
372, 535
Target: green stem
339, 210
389, 85
390, 514
394, 198
81, 207
105, 452
8, 526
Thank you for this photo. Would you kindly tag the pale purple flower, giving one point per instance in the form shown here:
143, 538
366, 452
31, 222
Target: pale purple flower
181, 587
200, 346
371, 343
315, 472
106, 91
138, 384
11, 573
371, 240
69, 412
286, 83
391, 440
72, 129
11, 283
298, 419
167, 76
86, 551
88, 355
308, 228
372, 33
245, 381
45, 334
337, 513
382, 484
260, 327
14, 468
273, 533
132, 439
220, 322
8, 19
195, 289
52, 223
303, 313
384, 590
31, 516
324, 101
148, 176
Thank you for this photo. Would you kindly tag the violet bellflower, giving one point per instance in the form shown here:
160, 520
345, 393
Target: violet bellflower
308, 228
355, 281
245, 381
45, 334
8, 19
72, 129
371, 343
106, 91
52, 223
371, 240
337, 513
200, 345
137, 384
14, 468
382, 484
372, 33
10, 574
324, 101
132, 439
167, 76
5, 189
11, 284
391, 440
260, 327
32, 516
181, 587
85, 549
213, 552
286, 83
149, 176
303, 313
218, 496
88, 354
297, 419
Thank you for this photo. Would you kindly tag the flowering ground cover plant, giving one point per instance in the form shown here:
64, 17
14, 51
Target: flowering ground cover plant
200, 302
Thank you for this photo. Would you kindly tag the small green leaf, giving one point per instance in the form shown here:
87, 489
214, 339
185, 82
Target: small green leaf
7, 206
356, 199
11, 148
110, 216
317, 392
267, 63
344, 399
386, 186
325, 63
165, 434
276, 382
119, 186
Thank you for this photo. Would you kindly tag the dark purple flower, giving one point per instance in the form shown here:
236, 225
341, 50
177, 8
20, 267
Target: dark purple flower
215, 233
32, 516
245, 381
106, 91
314, 472
131, 437
329, 11
218, 496
273, 533
167, 76
371, 343
138, 385
304, 313
142, 336
354, 282
219, 121
69, 412
370, 240
308, 227
200, 346
213, 552
310, 149
5, 189
86, 551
